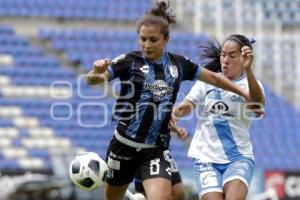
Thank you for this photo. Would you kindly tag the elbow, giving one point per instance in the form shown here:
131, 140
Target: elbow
90, 81
94, 80
181, 112
177, 112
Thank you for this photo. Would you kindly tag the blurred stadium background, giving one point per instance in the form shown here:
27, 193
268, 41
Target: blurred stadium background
48, 113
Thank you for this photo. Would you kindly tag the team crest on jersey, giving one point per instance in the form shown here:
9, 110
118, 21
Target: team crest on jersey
145, 69
173, 71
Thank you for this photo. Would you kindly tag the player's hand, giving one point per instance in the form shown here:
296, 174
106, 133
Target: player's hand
181, 132
172, 122
100, 66
247, 57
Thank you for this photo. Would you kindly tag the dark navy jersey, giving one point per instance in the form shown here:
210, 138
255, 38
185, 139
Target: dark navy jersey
148, 93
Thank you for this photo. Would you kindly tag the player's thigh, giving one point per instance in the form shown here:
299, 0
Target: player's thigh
235, 190
138, 183
208, 181
212, 196
177, 186
112, 192
158, 188
237, 178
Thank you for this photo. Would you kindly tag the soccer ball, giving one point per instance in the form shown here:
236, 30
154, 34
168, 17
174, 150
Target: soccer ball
88, 171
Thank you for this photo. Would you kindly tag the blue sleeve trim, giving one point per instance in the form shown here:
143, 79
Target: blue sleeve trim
198, 72
111, 73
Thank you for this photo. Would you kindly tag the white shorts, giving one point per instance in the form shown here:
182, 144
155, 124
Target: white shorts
211, 177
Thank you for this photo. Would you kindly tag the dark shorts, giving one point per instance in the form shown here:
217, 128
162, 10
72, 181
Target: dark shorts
175, 176
124, 161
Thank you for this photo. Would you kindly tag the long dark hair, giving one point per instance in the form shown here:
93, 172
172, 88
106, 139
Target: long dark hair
212, 51
159, 15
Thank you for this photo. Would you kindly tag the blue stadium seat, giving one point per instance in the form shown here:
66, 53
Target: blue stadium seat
9, 164
5, 122
41, 153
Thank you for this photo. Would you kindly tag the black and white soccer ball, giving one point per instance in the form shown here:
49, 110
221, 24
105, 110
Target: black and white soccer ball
88, 171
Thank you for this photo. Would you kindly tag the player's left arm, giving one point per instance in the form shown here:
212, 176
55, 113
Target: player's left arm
255, 91
181, 133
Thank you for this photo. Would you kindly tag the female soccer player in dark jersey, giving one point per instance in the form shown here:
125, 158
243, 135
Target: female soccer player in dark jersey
150, 81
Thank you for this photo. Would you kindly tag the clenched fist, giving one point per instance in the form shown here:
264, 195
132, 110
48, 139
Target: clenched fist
100, 66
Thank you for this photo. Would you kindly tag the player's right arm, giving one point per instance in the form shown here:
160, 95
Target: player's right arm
184, 108
191, 101
99, 73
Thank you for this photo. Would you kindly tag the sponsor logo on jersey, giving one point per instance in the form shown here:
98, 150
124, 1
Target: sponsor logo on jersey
220, 108
158, 88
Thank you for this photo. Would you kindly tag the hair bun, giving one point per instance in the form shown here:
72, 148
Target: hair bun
161, 10
163, 5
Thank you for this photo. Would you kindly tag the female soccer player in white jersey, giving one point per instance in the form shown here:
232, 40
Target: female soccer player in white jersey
221, 147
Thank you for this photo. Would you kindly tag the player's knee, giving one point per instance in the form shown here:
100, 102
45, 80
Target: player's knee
114, 192
179, 196
167, 197
234, 196
113, 197
161, 195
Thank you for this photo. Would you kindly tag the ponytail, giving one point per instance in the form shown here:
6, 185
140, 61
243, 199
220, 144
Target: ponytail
212, 52
159, 16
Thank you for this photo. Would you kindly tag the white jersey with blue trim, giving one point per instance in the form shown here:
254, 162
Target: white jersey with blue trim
222, 133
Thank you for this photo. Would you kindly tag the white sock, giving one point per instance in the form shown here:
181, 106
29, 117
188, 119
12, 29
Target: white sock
137, 196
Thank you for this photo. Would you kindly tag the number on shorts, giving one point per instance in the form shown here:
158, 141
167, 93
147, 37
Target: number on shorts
154, 166
172, 162
174, 167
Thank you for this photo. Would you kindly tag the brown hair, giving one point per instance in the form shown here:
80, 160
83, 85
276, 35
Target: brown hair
160, 16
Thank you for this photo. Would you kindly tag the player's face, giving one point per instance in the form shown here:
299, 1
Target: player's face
231, 64
152, 42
